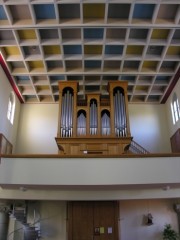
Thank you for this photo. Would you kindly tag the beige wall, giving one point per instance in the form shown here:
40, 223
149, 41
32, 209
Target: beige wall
149, 128
133, 215
9, 130
37, 129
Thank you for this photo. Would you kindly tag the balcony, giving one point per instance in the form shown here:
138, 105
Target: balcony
63, 178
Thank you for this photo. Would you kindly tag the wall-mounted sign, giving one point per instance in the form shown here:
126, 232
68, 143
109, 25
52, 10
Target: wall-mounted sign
101, 230
109, 230
97, 231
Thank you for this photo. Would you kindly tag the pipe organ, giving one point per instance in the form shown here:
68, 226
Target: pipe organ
94, 125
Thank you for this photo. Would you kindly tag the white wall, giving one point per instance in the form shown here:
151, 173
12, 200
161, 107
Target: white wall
37, 129
172, 127
51, 218
148, 124
8, 130
133, 218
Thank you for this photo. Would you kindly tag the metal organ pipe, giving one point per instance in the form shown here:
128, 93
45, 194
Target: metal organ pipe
124, 114
81, 124
93, 118
62, 116
67, 114
105, 122
119, 114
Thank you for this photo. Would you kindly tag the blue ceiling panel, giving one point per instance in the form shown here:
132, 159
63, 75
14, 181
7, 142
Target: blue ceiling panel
162, 78
92, 64
2, 14
113, 49
129, 78
143, 11
72, 49
95, 33
22, 78
44, 11
57, 77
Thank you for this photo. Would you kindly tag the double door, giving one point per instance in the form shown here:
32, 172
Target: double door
96, 220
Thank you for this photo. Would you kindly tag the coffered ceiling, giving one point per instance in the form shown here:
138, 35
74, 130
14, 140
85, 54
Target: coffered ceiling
92, 42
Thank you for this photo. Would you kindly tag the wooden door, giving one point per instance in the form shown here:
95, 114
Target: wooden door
175, 142
80, 221
93, 220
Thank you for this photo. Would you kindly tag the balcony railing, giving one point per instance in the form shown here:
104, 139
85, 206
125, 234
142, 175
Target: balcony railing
113, 177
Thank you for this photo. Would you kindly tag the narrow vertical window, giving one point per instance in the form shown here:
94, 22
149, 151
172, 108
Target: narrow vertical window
11, 108
175, 109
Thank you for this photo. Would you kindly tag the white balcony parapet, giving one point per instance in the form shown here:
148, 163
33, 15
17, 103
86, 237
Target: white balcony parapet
137, 174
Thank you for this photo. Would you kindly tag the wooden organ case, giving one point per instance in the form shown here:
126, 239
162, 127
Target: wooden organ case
96, 125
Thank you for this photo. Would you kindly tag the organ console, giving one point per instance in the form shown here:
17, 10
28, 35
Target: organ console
95, 125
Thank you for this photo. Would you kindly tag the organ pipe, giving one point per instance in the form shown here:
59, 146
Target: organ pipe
124, 118
105, 122
67, 114
93, 118
119, 114
81, 124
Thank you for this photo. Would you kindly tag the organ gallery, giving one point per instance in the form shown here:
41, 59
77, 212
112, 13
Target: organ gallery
94, 125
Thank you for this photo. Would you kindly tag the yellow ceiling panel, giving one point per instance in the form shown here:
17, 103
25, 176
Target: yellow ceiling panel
52, 49
12, 50
133, 49
40, 88
160, 33
142, 88
27, 34
173, 50
91, 49
149, 64
36, 64
93, 10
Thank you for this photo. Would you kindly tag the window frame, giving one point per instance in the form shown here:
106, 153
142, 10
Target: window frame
175, 110
11, 107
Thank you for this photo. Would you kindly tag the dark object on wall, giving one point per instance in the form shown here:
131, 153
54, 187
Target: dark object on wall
5, 146
175, 142
176, 207
149, 219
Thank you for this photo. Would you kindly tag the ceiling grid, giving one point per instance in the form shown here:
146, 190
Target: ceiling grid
91, 42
